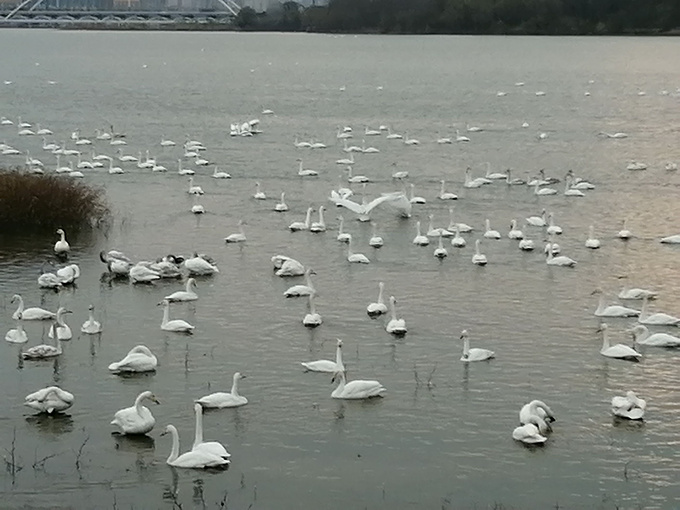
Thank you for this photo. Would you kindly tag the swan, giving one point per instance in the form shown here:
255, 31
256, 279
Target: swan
371, 132
220, 175
342, 236
474, 183
375, 241
327, 366
281, 206
434, 232
63, 331
395, 326
397, 200
614, 135
302, 290
357, 389
446, 195
526, 245
350, 148
306, 173
191, 459
209, 447
68, 274
393, 136
43, 351
30, 314
356, 258
302, 225
656, 319
538, 413
543, 191
636, 166
346, 161
199, 161
379, 307
494, 175
49, 400
420, 239
312, 319
129, 158
642, 336
570, 191
612, 310
355, 178
461, 138
636, 293
238, 237
420, 200
671, 167
165, 142
410, 141
115, 169
458, 241
630, 407
537, 221
184, 171
319, 226
48, 280
61, 247
176, 325
592, 242
198, 266
528, 434
194, 190
624, 233
462, 227
561, 260
473, 354
138, 359
674, 239
197, 208
91, 326
578, 183
221, 399
368, 150
17, 335
136, 419
490, 234
342, 191
619, 351
552, 228
141, 273
478, 258
440, 252
514, 232
289, 267
184, 295
513, 181
259, 194
473, 129
117, 265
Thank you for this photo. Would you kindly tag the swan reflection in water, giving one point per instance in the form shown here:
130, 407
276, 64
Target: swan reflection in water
57, 423
136, 443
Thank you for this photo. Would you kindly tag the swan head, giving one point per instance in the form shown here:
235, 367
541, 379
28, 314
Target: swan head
169, 429
603, 327
596, 291
149, 396
91, 308
15, 297
60, 232
463, 334
339, 343
237, 376
62, 311
163, 302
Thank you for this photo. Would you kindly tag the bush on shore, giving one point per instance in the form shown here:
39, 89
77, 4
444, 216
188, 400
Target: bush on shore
44, 202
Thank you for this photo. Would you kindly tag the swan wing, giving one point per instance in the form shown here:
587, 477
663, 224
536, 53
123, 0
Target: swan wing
363, 389
212, 448
322, 365
198, 459
348, 204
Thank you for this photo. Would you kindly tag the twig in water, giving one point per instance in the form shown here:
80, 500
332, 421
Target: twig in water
80, 451
430, 384
225, 500
11, 464
186, 359
40, 463
243, 481
625, 470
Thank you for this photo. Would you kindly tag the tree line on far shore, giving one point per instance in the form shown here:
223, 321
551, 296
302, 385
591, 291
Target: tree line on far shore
540, 17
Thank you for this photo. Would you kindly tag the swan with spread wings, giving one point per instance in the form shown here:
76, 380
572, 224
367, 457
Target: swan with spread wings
397, 200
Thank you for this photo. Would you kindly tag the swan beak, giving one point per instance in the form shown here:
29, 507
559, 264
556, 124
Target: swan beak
154, 399
243, 376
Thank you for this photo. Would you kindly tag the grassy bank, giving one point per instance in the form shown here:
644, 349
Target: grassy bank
40, 202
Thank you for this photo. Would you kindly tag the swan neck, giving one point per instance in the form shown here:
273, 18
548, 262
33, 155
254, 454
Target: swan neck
600, 304
338, 357
380, 293
138, 402
174, 452
393, 309
605, 340
312, 308
166, 313
466, 347
234, 387
198, 438
308, 218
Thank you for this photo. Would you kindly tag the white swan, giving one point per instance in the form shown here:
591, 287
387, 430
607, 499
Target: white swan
63, 331
91, 326
636, 166
209, 447
188, 294
220, 175
473, 354
397, 200
176, 325
368, 150
494, 175
674, 239
420, 239
619, 351
139, 359
237, 237
462, 227
286, 266
356, 258
61, 247
446, 195
514, 232
537, 221
624, 233
656, 319
552, 228
184, 171
43, 351
312, 319
570, 191
561, 260
538, 413
635, 294
259, 194
50, 400
302, 225
342, 236
375, 241
198, 266
526, 245
528, 434
474, 183
115, 169
440, 252
48, 280
357, 389
136, 419
68, 274
612, 310
142, 273
319, 226
17, 335
410, 141
420, 200
355, 178
281, 206
302, 290
379, 307
630, 407
461, 138
30, 314
592, 242
513, 181
543, 191
457, 241
221, 399
395, 326
306, 172
327, 366
478, 258
642, 336
191, 459
434, 232
489, 233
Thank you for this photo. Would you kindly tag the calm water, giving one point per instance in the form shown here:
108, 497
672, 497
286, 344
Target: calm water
293, 446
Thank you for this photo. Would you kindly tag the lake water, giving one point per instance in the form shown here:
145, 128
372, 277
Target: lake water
293, 446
